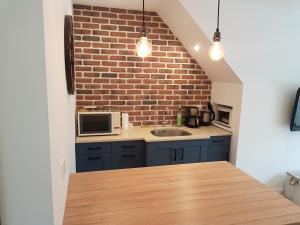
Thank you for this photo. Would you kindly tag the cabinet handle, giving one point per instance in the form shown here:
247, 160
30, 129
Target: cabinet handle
128, 146
94, 158
128, 156
182, 154
174, 154
94, 148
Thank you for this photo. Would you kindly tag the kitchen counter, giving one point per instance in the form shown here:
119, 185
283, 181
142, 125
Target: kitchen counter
144, 133
193, 194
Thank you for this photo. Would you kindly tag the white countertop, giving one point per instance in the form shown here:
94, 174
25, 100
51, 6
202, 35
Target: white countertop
144, 134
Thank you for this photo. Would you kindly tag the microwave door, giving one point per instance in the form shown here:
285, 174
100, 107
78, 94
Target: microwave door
95, 124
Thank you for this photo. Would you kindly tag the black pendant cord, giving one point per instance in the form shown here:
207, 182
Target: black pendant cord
218, 20
144, 30
143, 13
217, 35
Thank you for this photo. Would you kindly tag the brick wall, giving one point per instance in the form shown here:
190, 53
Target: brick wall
110, 75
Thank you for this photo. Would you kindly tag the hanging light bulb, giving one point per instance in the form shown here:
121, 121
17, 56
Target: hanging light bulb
143, 47
216, 51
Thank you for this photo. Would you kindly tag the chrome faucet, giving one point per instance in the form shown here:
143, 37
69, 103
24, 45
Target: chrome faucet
166, 111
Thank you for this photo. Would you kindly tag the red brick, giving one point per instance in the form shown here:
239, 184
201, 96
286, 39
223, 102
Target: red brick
109, 15
78, 6
100, 21
91, 13
126, 17
81, 19
125, 81
98, 8
90, 25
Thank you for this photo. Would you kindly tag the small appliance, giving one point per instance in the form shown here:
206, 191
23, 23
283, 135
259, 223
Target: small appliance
98, 123
192, 118
208, 116
224, 115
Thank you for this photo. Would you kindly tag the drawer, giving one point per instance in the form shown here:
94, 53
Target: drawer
87, 148
93, 162
127, 145
220, 140
128, 159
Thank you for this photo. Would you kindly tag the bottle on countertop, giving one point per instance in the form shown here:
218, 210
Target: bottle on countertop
179, 118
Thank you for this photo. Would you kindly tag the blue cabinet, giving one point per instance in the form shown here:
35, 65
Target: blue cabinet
128, 154
176, 152
93, 162
93, 157
161, 153
192, 151
107, 155
219, 148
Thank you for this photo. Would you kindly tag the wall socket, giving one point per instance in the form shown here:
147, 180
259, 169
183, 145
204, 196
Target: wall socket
64, 165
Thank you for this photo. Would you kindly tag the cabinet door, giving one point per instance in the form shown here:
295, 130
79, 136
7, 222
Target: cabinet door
218, 153
192, 151
219, 148
93, 162
161, 153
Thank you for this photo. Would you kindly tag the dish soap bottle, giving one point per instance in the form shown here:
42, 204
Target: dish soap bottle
179, 118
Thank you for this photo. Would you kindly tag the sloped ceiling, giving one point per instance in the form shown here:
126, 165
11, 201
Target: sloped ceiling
184, 27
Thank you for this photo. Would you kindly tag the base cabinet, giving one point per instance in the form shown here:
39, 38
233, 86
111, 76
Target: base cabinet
219, 148
131, 154
93, 162
176, 152
128, 154
161, 153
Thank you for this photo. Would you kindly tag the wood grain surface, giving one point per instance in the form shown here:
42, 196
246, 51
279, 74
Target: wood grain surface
191, 194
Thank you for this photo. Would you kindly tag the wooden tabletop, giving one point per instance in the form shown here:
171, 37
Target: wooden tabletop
190, 194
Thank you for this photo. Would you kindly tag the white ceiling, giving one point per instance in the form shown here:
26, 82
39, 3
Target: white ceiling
151, 5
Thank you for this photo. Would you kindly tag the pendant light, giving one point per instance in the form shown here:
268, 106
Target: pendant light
216, 51
143, 47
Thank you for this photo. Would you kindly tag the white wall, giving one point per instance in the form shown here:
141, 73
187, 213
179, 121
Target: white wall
61, 106
25, 173
230, 94
37, 115
190, 35
259, 39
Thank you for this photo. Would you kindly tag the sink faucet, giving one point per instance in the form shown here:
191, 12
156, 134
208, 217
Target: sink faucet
166, 111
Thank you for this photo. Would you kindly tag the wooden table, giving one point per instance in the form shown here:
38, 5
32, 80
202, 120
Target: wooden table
190, 194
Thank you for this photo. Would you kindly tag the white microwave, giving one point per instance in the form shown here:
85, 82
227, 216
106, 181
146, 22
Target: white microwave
98, 123
224, 116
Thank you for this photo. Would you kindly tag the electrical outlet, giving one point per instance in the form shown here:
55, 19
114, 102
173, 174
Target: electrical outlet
63, 168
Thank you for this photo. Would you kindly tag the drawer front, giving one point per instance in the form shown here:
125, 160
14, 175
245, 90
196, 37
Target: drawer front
128, 159
127, 145
220, 140
93, 162
94, 148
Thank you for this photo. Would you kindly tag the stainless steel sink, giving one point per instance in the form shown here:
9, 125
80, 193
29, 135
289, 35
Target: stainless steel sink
169, 132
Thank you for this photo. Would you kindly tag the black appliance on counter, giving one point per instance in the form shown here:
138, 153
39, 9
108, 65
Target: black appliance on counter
208, 116
192, 119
